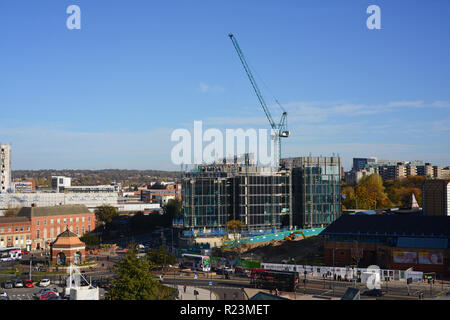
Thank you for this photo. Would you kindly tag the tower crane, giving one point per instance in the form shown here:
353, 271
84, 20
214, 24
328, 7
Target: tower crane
280, 129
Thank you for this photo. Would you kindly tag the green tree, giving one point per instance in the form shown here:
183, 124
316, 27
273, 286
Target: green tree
234, 226
160, 257
106, 213
173, 208
91, 240
134, 281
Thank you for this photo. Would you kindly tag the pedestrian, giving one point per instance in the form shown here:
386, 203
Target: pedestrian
276, 292
184, 288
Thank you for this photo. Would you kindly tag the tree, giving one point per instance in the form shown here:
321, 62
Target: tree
234, 226
173, 208
134, 281
91, 240
160, 257
106, 213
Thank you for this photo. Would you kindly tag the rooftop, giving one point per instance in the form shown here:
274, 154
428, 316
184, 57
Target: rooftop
52, 211
393, 225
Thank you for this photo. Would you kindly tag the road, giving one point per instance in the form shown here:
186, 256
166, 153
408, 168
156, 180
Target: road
224, 289
28, 293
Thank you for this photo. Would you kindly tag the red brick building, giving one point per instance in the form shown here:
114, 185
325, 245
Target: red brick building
41, 225
14, 231
67, 249
396, 242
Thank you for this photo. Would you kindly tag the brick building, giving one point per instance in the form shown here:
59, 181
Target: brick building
436, 197
14, 231
41, 225
389, 241
67, 249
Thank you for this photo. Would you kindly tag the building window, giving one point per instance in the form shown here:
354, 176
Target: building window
71, 220
58, 221
17, 229
45, 222
38, 223
9, 229
77, 231
2, 230
82, 219
65, 220
51, 221
38, 234
28, 228
83, 229
21, 229
89, 228
77, 220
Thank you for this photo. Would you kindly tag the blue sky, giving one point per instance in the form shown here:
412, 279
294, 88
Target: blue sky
109, 95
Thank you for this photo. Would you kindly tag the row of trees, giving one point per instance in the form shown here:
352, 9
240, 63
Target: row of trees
372, 193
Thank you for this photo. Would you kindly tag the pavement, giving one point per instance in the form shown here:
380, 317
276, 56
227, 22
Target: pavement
203, 294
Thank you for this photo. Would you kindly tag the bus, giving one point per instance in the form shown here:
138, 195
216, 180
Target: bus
195, 262
274, 279
10, 254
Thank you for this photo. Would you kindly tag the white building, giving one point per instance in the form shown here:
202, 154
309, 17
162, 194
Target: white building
5, 168
61, 182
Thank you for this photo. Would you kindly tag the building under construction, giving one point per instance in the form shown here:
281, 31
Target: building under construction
303, 193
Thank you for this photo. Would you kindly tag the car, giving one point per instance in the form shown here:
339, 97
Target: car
4, 298
47, 295
54, 298
374, 293
3, 293
29, 284
44, 283
9, 284
42, 292
18, 284
25, 251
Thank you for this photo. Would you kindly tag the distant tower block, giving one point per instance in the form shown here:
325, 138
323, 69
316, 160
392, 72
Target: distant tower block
5, 168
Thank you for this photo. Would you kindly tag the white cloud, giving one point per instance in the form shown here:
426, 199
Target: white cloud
206, 88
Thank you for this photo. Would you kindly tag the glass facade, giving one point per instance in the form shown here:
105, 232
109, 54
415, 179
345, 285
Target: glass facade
211, 199
316, 189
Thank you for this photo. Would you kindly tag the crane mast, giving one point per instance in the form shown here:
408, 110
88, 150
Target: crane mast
280, 129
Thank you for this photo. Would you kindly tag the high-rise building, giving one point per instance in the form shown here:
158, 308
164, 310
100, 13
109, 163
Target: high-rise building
361, 163
216, 194
316, 190
436, 197
5, 168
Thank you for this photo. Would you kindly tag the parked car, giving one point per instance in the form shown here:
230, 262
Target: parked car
29, 284
374, 293
18, 284
3, 293
41, 292
4, 298
47, 295
44, 283
9, 284
54, 298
